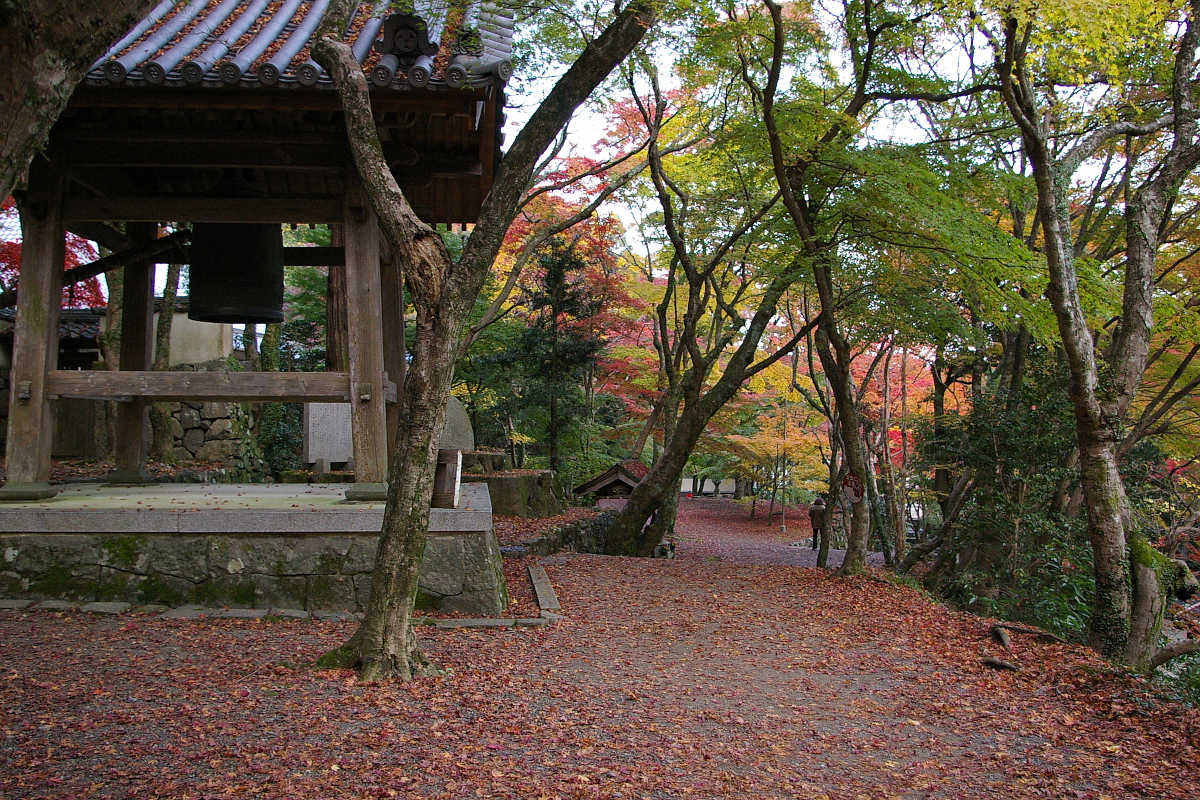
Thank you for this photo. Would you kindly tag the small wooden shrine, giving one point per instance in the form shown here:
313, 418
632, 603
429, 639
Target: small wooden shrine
211, 112
618, 480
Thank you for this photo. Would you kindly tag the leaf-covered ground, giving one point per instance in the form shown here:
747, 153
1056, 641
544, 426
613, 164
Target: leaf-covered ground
695, 677
518, 530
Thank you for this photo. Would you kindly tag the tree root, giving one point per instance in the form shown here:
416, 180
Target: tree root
1165, 654
1001, 635
341, 657
999, 664
1042, 636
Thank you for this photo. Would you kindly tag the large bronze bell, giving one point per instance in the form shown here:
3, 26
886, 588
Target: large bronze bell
236, 272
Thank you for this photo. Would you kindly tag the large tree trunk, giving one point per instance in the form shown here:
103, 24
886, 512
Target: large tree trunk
834, 352
628, 533
659, 490
337, 356
46, 46
1125, 616
442, 292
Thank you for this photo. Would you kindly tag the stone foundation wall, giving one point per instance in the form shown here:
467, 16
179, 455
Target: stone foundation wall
461, 571
204, 431
588, 535
523, 493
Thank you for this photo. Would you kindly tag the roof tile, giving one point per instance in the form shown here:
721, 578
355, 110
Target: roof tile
257, 43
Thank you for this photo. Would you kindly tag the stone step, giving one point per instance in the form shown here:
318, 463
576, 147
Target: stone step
546, 598
56, 605
474, 622
105, 608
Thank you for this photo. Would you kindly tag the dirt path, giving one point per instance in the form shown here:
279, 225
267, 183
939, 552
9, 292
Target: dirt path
717, 529
683, 678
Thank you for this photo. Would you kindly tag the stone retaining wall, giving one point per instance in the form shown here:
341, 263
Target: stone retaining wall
522, 493
245, 545
461, 571
588, 535
203, 431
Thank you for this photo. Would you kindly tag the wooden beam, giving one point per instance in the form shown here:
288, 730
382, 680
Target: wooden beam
487, 143
365, 328
35, 337
205, 209
314, 256
209, 155
439, 100
314, 387
173, 245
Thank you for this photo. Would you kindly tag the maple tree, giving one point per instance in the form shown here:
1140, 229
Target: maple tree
83, 294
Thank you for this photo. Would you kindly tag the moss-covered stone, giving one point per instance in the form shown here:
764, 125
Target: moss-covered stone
155, 589
342, 657
427, 601
59, 580
122, 551
114, 585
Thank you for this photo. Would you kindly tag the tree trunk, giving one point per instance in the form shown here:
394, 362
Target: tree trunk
834, 353
162, 443
46, 47
337, 354
110, 346
554, 430
442, 292
626, 535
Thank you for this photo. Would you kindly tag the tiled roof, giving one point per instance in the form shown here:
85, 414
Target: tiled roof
635, 468
265, 43
626, 473
77, 324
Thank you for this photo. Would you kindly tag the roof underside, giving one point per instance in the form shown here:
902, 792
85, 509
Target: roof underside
265, 43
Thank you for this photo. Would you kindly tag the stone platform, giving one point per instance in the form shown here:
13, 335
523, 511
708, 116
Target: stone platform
239, 545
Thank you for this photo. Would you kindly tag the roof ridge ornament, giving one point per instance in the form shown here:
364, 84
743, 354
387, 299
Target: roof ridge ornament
405, 36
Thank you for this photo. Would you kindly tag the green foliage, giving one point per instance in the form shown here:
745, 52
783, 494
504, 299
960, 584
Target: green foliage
1012, 555
1181, 681
524, 372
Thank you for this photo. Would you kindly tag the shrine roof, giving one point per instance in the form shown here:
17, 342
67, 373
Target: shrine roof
627, 473
265, 44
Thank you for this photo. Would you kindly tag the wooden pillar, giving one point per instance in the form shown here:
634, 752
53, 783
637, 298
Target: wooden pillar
35, 337
394, 363
364, 326
137, 314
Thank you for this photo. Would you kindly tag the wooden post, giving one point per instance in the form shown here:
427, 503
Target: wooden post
137, 314
364, 326
447, 479
35, 338
394, 363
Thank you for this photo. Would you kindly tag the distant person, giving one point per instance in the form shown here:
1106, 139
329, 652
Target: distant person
816, 517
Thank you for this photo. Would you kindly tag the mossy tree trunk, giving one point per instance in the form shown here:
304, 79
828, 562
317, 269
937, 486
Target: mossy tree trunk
442, 292
1130, 592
